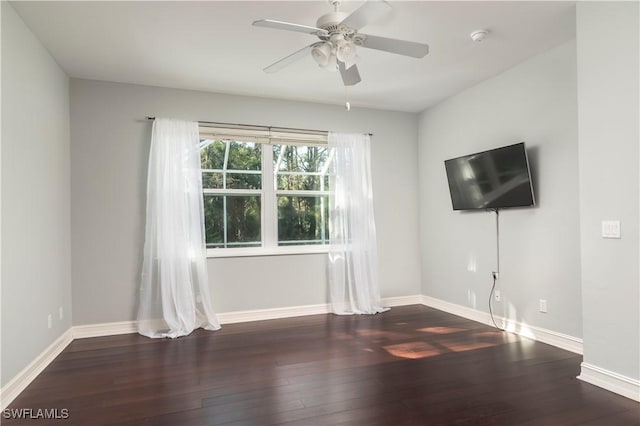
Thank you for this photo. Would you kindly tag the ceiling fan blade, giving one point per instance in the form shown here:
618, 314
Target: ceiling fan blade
367, 13
401, 47
350, 76
279, 25
299, 54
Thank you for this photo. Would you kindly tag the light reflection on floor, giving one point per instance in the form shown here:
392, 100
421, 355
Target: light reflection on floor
413, 350
422, 349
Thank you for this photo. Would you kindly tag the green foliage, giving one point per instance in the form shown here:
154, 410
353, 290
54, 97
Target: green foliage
300, 219
244, 156
299, 160
213, 220
212, 156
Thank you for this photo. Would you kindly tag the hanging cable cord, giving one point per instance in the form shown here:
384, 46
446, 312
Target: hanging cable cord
497, 271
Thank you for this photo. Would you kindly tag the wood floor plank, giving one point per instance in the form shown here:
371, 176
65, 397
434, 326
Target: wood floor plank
412, 365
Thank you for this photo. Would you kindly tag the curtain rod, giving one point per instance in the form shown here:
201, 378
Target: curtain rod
269, 128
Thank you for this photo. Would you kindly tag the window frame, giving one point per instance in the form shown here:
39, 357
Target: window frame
268, 192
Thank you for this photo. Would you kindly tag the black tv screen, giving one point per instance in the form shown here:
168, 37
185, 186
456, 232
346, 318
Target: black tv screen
494, 179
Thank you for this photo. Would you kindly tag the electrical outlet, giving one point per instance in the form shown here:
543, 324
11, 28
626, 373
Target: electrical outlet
49, 321
61, 312
496, 294
543, 306
495, 275
610, 229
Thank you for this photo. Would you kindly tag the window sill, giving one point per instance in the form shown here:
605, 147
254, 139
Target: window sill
266, 251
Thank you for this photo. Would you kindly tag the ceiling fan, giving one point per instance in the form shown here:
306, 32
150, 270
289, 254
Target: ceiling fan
339, 37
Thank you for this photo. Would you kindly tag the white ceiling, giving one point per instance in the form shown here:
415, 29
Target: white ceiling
212, 46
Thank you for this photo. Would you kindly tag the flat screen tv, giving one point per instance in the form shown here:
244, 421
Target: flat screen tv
494, 179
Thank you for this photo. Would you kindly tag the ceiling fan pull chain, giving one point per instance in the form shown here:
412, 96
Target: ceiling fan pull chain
347, 104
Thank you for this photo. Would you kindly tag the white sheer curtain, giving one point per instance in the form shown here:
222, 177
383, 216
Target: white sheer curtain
174, 293
353, 263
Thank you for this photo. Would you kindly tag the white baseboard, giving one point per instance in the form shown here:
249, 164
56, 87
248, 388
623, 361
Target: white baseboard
298, 311
275, 313
455, 309
126, 327
15, 386
601, 377
550, 337
610, 381
390, 302
104, 329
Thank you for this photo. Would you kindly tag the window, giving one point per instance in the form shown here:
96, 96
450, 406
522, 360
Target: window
264, 194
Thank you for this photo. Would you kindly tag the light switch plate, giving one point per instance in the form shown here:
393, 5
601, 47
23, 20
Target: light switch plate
610, 229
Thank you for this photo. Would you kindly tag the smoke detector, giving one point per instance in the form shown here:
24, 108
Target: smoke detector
479, 35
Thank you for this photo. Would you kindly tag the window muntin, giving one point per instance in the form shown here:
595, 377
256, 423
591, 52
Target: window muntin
264, 196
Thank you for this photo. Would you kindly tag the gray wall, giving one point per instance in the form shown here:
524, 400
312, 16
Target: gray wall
36, 262
608, 55
534, 102
109, 148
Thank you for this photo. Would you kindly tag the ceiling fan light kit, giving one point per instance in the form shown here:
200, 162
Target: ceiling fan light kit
346, 52
321, 53
338, 34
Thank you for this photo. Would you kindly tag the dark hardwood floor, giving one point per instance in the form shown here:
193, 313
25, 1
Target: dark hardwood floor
412, 365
